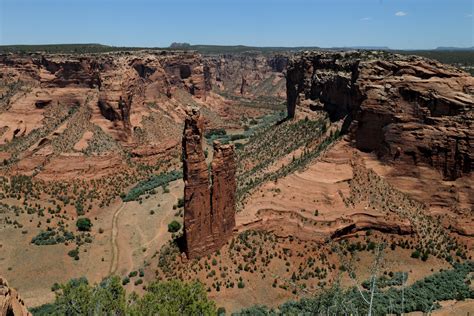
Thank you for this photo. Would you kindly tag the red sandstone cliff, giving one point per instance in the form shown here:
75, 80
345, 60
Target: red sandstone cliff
405, 108
223, 192
75, 109
197, 193
209, 211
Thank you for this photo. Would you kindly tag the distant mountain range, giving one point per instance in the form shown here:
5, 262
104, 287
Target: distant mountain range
209, 49
455, 48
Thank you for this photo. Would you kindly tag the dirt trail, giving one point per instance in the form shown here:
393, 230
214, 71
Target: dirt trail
133, 240
115, 247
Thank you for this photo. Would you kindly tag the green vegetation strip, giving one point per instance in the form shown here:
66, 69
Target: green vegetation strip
153, 182
423, 295
174, 297
78, 297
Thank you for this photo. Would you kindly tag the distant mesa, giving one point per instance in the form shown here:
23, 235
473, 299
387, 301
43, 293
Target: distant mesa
176, 45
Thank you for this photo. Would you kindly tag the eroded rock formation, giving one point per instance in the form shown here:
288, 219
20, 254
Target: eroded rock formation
404, 108
197, 192
106, 104
223, 192
248, 74
11, 303
209, 210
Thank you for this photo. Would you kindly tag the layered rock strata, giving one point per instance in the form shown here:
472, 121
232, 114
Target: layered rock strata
248, 74
405, 108
209, 210
223, 192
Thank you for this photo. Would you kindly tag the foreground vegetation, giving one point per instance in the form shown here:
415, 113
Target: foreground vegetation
78, 297
422, 295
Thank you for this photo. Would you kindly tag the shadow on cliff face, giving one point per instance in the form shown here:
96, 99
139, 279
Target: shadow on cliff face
388, 105
181, 243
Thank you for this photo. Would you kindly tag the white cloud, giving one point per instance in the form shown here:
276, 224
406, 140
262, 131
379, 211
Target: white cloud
400, 13
469, 16
366, 19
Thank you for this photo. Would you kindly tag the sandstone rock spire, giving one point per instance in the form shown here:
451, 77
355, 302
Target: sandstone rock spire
223, 192
209, 210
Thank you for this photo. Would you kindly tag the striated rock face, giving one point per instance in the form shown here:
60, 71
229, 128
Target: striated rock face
197, 192
405, 108
10, 302
249, 74
123, 102
223, 192
209, 211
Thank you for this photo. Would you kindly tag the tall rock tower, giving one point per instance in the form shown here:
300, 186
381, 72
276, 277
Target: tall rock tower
209, 209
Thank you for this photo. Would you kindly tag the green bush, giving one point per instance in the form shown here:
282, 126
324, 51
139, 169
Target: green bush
174, 226
73, 253
416, 254
83, 224
138, 281
215, 133
153, 182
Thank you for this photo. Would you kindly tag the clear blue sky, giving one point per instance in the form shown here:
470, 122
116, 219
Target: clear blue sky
402, 24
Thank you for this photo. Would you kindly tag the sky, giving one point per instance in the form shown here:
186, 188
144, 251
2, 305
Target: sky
398, 24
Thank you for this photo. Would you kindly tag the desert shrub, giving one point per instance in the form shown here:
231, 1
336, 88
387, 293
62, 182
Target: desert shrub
52, 237
174, 226
83, 224
215, 133
416, 254
45, 238
138, 281
55, 287
73, 253
151, 183
237, 137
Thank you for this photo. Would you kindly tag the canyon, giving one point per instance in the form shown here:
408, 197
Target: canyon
65, 109
406, 109
369, 148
